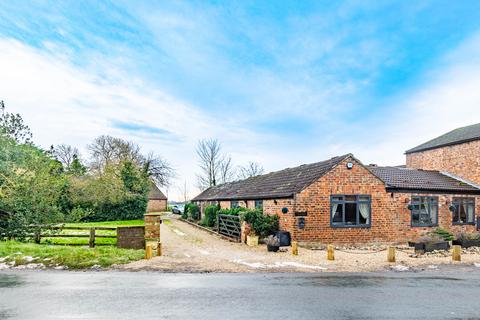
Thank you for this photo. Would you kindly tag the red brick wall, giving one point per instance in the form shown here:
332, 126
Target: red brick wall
461, 160
390, 217
275, 206
156, 205
402, 214
315, 200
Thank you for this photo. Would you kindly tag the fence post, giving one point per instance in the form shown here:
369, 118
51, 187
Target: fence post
295, 248
38, 236
330, 252
91, 240
456, 253
391, 254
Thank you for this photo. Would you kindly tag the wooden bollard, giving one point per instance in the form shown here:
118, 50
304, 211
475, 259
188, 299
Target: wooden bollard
295, 248
330, 252
159, 249
148, 252
91, 240
456, 253
391, 254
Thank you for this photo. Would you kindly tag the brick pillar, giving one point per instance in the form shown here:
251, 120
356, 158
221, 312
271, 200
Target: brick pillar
152, 226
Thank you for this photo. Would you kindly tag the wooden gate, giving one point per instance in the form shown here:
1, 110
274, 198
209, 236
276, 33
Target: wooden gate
229, 226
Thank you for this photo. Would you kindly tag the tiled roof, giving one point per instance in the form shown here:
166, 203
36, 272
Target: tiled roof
456, 136
284, 183
421, 180
155, 193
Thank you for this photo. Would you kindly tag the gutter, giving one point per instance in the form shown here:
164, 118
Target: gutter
436, 191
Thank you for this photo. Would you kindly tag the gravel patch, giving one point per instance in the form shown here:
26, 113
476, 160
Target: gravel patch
186, 248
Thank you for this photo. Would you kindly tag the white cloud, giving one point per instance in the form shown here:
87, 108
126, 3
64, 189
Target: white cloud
448, 98
63, 103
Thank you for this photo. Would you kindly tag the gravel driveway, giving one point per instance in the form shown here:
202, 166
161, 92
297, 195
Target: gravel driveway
190, 249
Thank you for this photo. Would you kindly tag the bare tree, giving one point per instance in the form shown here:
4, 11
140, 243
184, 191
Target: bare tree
107, 150
183, 190
158, 169
215, 166
66, 154
252, 169
227, 171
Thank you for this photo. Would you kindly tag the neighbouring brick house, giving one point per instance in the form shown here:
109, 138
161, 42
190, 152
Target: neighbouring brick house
157, 201
456, 152
340, 200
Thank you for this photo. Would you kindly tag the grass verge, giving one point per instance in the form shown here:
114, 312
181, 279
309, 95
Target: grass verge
71, 257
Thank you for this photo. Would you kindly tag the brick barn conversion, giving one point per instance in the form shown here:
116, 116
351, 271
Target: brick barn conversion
157, 201
341, 200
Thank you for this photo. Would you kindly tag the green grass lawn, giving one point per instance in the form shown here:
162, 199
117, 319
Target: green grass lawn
70, 256
125, 223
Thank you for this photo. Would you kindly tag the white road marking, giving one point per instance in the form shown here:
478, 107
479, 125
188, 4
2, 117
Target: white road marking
278, 264
180, 233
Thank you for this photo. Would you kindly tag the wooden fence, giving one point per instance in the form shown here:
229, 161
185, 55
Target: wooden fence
91, 235
229, 226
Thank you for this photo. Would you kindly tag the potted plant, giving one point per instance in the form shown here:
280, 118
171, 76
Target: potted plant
467, 240
430, 243
273, 243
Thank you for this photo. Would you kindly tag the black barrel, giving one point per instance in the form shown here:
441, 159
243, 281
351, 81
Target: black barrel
284, 238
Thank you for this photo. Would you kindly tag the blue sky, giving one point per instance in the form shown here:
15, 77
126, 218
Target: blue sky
278, 82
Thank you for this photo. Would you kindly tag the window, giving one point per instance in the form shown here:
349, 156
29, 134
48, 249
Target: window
350, 210
258, 204
463, 211
424, 211
234, 204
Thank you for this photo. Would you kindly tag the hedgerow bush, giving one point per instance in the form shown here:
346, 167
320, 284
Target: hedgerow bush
232, 211
194, 211
262, 224
185, 211
210, 216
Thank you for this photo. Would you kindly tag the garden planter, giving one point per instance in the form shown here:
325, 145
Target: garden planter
252, 241
422, 247
466, 243
272, 248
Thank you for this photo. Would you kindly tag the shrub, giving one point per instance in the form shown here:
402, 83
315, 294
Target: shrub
194, 211
232, 211
263, 225
463, 236
77, 214
444, 234
185, 211
210, 216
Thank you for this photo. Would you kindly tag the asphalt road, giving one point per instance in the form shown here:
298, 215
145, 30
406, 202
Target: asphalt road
147, 295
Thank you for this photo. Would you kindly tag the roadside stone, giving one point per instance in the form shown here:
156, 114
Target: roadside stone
400, 268
35, 266
60, 268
